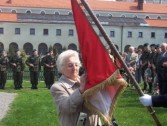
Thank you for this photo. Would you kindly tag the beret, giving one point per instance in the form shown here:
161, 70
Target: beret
145, 44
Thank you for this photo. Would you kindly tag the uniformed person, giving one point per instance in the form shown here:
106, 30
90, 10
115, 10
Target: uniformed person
3, 68
144, 63
17, 64
34, 66
151, 66
155, 67
49, 69
44, 68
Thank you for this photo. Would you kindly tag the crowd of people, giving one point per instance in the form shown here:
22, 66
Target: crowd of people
150, 66
34, 62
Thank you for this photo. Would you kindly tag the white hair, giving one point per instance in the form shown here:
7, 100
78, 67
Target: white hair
64, 55
131, 47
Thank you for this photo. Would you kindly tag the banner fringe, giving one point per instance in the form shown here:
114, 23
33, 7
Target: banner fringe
112, 80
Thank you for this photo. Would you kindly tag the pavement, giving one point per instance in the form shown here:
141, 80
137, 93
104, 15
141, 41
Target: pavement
5, 100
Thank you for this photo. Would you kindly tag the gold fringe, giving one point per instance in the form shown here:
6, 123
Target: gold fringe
112, 80
108, 82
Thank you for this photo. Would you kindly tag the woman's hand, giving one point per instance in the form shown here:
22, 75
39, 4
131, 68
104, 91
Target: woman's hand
83, 80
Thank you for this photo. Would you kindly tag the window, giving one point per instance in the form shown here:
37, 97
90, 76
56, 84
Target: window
14, 11
28, 47
140, 35
129, 34
57, 13
45, 32
112, 33
152, 34
1, 31
28, 12
32, 31
58, 32
158, 17
13, 46
70, 13
17, 31
42, 12
42, 48
147, 17
71, 32
166, 35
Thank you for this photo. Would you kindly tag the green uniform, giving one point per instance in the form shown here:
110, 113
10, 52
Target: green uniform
3, 70
49, 64
144, 59
34, 70
18, 68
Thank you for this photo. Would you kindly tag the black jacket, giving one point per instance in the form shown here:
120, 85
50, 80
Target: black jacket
159, 101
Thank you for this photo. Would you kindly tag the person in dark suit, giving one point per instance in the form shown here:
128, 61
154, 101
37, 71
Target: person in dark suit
155, 101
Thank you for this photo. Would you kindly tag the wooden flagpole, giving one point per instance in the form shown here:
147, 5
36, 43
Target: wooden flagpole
116, 53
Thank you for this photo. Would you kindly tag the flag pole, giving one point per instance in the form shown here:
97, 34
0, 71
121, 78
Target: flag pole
116, 53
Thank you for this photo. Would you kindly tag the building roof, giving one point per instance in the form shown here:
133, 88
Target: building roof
94, 4
157, 23
52, 18
7, 17
105, 20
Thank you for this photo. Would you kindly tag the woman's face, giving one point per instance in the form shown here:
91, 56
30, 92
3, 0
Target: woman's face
71, 68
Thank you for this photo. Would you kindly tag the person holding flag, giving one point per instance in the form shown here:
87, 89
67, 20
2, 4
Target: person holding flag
100, 87
67, 92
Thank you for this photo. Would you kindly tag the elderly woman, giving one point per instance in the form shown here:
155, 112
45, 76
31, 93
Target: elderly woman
67, 91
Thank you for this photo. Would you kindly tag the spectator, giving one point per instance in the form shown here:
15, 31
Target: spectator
138, 66
162, 70
130, 60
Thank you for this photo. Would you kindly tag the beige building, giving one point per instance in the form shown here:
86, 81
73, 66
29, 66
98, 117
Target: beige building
39, 24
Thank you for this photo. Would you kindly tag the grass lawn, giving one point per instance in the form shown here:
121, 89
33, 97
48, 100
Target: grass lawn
36, 108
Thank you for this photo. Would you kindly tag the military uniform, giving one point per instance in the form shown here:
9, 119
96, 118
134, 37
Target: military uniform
3, 69
49, 64
144, 59
17, 64
151, 65
34, 66
44, 68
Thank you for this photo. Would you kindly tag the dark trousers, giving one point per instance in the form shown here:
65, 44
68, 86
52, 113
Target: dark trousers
49, 78
34, 79
162, 82
18, 79
3, 76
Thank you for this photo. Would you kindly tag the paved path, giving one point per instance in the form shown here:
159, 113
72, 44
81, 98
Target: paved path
5, 100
